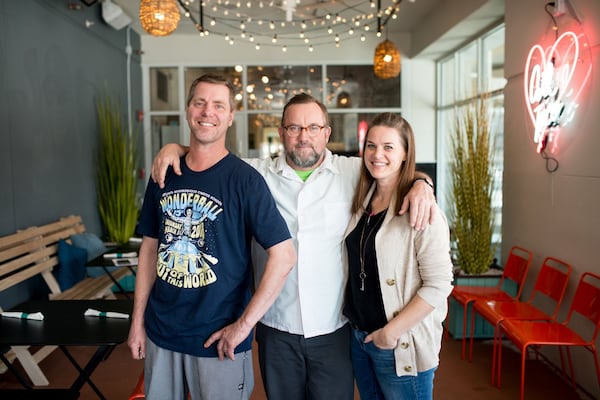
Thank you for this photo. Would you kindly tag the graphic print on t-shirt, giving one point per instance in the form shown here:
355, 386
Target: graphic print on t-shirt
184, 254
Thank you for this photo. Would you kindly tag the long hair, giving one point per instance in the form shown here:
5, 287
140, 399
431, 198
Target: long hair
216, 80
407, 170
304, 98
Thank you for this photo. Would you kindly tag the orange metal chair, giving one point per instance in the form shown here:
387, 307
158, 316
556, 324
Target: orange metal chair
138, 391
549, 288
524, 334
515, 269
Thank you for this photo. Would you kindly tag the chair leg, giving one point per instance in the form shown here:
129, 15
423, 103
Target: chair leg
499, 350
562, 364
495, 353
30, 365
593, 350
138, 391
471, 334
523, 358
568, 349
464, 338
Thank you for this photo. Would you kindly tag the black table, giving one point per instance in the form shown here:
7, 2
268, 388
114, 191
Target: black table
64, 325
107, 263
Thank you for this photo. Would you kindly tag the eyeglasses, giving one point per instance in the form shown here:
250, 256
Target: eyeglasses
295, 130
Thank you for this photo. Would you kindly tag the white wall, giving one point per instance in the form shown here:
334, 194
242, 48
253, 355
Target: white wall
553, 214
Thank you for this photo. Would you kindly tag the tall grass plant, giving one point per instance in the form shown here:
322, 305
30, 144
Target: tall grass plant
116, 172
472, 216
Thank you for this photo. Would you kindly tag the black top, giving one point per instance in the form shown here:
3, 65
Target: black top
364, 308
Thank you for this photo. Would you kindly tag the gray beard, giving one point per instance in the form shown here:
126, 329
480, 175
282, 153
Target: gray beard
311, 161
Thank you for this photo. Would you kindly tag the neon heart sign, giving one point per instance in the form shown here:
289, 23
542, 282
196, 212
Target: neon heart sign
549, 81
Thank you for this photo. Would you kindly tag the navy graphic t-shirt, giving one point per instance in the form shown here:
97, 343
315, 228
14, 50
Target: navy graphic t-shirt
204, 223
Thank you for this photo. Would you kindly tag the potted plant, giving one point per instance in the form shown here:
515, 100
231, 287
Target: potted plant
471, 214
116, 173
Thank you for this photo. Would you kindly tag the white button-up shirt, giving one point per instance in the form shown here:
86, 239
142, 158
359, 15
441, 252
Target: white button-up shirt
317, 212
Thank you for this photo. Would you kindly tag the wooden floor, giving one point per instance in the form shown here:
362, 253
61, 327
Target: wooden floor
455, 378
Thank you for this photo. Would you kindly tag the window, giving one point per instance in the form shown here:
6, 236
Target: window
352, 94
163, 89
473, 70
356, 86
269, 88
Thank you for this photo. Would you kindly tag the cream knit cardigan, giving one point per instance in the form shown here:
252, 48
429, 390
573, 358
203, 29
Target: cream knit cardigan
413, 263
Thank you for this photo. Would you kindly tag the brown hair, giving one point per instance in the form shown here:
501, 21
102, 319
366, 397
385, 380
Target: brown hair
214, 79
407, 172
305, 98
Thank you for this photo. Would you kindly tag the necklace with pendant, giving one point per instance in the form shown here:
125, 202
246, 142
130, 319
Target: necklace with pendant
362, 247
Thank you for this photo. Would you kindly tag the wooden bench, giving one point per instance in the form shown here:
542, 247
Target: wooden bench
34, 251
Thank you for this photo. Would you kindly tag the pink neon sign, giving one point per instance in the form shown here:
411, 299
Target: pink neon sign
362, 132
552, 88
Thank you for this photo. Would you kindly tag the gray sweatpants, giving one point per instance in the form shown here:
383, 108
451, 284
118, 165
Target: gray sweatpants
168, 374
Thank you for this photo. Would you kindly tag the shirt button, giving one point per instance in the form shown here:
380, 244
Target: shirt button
408, 368
390, 282
404, 345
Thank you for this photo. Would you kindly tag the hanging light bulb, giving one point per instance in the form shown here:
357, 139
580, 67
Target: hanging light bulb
159, 17
386, 62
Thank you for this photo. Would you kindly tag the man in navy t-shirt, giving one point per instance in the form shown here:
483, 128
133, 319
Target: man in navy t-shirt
193, 306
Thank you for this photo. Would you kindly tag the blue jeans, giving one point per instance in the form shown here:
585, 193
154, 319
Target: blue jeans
375, 374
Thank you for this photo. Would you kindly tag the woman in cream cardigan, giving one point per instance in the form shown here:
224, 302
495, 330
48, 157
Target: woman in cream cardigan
399, 278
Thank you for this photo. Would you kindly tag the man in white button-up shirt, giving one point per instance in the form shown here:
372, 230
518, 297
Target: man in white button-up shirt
303, 340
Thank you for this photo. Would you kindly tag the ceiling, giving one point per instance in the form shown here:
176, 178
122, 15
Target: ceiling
317, 21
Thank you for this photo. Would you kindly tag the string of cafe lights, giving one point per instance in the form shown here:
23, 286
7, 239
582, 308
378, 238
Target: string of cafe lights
230, 19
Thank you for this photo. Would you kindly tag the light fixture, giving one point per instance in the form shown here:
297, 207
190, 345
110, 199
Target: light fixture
344, 100
114, 15
159, 17
386, 62
292, 34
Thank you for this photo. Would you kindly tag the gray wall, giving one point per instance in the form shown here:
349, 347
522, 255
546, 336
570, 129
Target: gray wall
553, 214
51, 69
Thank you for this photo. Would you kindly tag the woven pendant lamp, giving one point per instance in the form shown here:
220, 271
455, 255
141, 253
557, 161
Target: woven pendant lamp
386, 62
159, 17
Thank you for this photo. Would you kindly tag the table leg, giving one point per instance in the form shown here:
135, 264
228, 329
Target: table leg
14, 371
86, 372
107, 271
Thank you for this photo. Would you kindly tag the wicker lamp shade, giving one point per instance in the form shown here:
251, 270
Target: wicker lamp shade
159, 17
386, 62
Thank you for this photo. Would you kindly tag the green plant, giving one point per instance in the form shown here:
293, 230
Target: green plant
116, 166
472, 185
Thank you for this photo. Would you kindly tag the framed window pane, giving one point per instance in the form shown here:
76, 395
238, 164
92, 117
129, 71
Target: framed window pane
164, 129
348, 131
468, 75
269, 88
234, 75
163, 89
493, 61
356, 86
263, 136
447, 81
